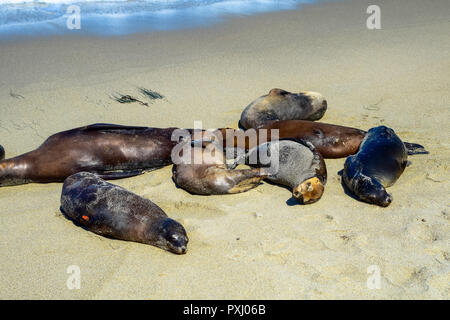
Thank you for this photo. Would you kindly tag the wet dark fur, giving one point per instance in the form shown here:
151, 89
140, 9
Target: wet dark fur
381, 159
114, 212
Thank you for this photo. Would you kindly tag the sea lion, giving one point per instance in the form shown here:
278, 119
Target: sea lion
2, 153
331, 141
109, 150
204, 172
279, 104
115, 212
381, 159
298, 166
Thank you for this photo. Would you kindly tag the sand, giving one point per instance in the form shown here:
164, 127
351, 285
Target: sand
254, 245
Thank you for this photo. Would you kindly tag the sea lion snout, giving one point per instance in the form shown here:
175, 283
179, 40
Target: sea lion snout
379, 197
387, 201
383, 200
309, 191
177, 248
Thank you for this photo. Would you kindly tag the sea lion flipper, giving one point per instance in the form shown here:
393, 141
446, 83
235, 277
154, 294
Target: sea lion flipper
246, 179
415, 148
111, 175
278, 92
234, 156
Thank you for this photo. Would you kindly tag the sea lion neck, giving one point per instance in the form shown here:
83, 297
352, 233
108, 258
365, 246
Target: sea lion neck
14, 172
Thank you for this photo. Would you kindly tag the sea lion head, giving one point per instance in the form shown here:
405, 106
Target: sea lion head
383, 200
309, 191
172, 237
313, 104
318, 104
377, 195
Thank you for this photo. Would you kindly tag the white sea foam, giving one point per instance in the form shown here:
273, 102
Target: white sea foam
126, 16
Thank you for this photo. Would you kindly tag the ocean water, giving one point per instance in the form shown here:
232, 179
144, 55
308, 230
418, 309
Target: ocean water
120, 17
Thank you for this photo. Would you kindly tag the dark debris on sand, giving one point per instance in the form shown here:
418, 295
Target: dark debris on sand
147, 93
152, 95
127, 99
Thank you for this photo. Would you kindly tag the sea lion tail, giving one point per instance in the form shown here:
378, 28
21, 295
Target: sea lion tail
2, 152
414, 148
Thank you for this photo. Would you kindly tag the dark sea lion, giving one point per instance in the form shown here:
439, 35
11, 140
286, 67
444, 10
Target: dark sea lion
109, 150
115, 212
331, 141
212, 176
283, 105
2, 153
381, 159
298, 166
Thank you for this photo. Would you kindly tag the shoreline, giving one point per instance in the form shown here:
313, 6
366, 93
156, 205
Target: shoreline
94, 19
396, 76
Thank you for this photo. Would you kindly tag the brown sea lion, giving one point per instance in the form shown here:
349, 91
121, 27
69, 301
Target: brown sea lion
381, 159
115, 212
331, 141
109, 150
279, 104
206, 173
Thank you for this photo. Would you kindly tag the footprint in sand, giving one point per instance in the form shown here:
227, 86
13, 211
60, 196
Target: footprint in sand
193, 209
421, 230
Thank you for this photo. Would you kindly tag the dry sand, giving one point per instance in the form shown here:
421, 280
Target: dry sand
251, 245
